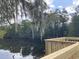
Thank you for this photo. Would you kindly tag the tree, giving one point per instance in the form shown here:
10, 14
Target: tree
36, 14
74, 28
58, 21
6, 10
63, 19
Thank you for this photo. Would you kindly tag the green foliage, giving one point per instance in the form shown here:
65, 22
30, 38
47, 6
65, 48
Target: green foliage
2, 33
74, 26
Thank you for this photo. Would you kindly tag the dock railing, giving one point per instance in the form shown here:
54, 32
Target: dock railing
70, 52
65, 48
54, 44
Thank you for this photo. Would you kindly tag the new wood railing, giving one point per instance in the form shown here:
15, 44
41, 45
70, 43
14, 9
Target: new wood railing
62, 48
70, 52
54, 44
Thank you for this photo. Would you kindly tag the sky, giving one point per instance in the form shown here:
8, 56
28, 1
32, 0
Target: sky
57, 3
63, 3
67, 4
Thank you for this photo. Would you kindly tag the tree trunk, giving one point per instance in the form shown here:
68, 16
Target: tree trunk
33, 32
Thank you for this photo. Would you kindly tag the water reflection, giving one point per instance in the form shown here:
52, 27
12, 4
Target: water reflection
15, 46
13, 49
6, 54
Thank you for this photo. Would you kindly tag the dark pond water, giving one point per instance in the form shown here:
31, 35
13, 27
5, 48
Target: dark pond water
6, 54
15, 50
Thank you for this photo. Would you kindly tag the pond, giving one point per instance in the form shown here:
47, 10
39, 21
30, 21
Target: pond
6, 54
16, 50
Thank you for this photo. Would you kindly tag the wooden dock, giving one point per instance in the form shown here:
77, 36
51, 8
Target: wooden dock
62, 48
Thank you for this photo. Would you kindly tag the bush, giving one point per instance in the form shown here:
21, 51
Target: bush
2, 33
